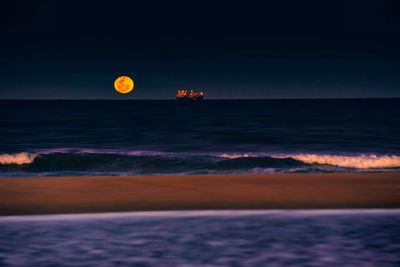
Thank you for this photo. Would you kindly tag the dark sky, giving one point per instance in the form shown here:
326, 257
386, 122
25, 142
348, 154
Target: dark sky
288, 49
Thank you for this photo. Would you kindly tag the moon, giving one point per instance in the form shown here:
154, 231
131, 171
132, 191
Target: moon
124, 84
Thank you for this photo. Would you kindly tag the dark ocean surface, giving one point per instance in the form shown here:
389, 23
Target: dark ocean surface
79, 137
209, 238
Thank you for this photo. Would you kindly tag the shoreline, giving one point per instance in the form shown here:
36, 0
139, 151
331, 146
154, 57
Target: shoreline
103, 194
197, 214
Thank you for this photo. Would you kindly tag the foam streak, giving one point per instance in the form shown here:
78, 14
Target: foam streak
359, 162
18, 158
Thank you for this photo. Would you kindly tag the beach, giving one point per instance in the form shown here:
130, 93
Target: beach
91, 194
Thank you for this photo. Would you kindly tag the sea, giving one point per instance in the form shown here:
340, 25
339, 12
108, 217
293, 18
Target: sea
158, 137
327, 238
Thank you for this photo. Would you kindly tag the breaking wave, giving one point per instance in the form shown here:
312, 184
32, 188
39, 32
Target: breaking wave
118, 162
359, 162
362, 161
18, 158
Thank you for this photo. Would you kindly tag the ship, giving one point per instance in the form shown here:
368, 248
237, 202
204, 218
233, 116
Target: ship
189, 95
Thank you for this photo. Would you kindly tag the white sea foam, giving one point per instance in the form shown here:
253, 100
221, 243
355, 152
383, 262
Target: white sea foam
196, 213
358, 161
236, 156
18, 158
362, 161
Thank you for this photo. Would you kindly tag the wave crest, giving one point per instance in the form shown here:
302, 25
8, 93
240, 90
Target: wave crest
148, 162
17, 158
359, 162
235, 156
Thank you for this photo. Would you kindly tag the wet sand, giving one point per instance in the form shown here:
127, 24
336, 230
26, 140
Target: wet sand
84, 194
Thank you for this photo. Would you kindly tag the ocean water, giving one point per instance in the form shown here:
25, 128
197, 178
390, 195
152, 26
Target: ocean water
208, 238
103, 137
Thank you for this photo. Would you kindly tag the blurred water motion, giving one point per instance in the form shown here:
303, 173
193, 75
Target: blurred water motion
307, 238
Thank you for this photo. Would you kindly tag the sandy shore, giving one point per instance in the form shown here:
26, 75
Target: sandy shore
48, 195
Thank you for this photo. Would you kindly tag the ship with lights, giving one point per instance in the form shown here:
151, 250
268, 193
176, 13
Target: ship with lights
189, 95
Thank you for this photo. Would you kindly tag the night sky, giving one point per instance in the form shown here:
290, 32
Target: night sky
289, 49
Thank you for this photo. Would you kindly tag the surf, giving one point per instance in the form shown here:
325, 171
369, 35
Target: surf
17, 158
64, 161
359, 161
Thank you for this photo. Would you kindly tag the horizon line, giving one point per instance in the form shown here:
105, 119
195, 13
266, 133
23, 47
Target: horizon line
172, 99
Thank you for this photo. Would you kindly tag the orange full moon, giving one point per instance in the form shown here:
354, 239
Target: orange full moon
124, 84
